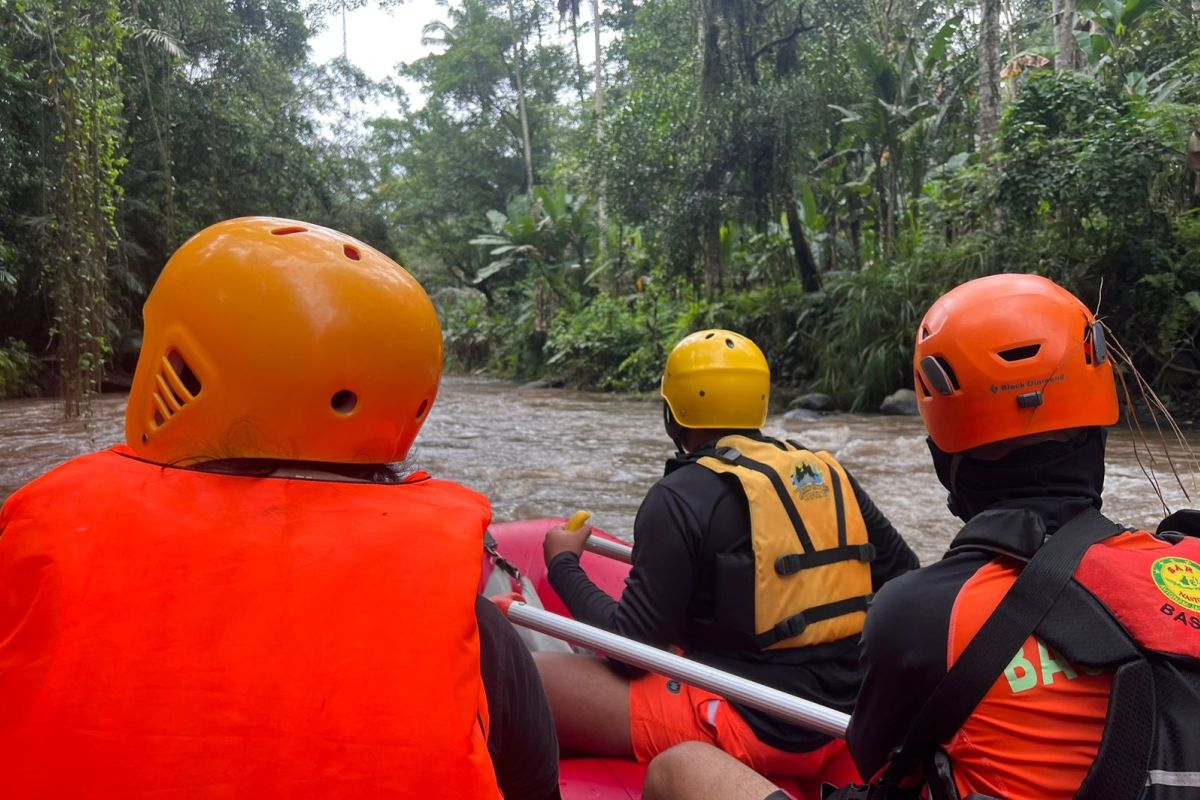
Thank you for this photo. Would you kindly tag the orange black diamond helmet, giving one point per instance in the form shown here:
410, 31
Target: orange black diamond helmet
1008, 356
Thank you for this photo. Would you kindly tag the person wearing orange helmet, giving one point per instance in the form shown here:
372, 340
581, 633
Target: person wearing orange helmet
247, 598
754, 555
1052, 653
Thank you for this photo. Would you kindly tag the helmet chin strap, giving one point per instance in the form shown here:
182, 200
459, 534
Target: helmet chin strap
675, 431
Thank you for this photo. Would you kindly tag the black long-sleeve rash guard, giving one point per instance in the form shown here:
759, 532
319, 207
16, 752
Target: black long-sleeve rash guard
689, 515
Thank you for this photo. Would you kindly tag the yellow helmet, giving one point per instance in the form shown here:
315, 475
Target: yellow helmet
271, 338
717, 379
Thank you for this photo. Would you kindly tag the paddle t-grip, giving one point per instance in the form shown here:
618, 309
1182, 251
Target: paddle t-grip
577, 519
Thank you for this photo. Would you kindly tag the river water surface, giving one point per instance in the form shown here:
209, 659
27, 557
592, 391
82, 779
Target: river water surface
546, 452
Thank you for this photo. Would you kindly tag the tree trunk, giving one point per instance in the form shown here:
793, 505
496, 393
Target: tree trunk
809, 276
602, 195
710, 253
519, 80
579, 82
989, 75
1069, 57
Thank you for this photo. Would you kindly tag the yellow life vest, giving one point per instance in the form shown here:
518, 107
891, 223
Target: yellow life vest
812, 574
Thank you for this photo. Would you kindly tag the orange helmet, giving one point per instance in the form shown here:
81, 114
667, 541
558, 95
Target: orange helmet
1008, 356
270, 338
717, 379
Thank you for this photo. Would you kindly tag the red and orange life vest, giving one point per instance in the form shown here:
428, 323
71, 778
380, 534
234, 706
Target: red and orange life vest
1039, 728
172, 633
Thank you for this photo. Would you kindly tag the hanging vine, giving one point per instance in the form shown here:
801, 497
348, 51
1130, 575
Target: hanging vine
82, 86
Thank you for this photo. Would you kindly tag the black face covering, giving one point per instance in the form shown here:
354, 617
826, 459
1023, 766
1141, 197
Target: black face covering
1055, 479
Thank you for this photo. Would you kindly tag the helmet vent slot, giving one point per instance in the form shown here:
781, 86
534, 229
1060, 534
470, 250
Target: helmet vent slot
711, 335
422, 408
924, 389
940, 374
351, 252
1020, 353
175, 386
344, 402
184, 373
729, 343
925, 334
290, 229
1095, 349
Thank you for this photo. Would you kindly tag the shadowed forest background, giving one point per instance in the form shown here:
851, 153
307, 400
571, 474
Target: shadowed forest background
812, 173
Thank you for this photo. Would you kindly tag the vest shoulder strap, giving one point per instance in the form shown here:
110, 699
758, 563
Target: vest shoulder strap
1024, 606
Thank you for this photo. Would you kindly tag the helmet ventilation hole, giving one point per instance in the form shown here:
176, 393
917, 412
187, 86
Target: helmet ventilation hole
421, 408
709, 336
925, 332
175, 386
344, 402
729, 343
1095, 348
924, 389
940, 374
351, 252
184, 373
145, 438
288, 230
1020, 353
702, 393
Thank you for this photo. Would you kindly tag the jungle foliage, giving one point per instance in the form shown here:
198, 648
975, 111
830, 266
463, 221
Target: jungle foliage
812, 173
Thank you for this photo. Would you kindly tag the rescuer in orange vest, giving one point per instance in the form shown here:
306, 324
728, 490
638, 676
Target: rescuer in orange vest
247, 599
1052, 653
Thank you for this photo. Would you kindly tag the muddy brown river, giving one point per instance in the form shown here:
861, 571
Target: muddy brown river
546, 452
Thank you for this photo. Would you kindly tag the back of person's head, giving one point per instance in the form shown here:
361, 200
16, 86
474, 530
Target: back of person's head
274, 339
1014, 383
1009, 356
716, 379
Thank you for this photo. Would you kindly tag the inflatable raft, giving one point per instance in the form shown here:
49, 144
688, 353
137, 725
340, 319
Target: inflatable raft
520, 544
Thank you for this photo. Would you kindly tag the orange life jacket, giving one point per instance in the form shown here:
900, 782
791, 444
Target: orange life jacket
171, 633
1040, 726
811, 571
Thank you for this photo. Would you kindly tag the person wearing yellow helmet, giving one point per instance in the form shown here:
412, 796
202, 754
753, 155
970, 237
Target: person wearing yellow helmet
754, 555
249, 597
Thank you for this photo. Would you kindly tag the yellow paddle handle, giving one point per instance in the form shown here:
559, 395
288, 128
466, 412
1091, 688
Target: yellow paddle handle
577, 519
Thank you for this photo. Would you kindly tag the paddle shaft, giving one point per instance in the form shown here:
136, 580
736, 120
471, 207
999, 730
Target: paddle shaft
609, 549
779, 704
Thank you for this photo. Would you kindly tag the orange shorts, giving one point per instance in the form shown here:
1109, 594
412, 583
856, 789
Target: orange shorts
665, 712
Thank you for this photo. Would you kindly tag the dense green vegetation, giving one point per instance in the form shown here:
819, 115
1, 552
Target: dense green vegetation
810, 173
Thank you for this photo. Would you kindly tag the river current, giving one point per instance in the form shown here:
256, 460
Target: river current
546, 452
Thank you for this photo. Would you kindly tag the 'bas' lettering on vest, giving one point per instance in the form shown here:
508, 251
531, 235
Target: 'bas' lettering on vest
1024, 673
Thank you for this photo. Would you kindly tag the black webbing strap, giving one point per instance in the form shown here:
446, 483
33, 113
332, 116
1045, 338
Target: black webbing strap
794, 562
840, 504
1119, 770
795, 624
988, 654
733, 456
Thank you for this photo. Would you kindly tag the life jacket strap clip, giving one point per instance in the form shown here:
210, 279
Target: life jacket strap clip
491, 547
792, 563
795, 625
730, 454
